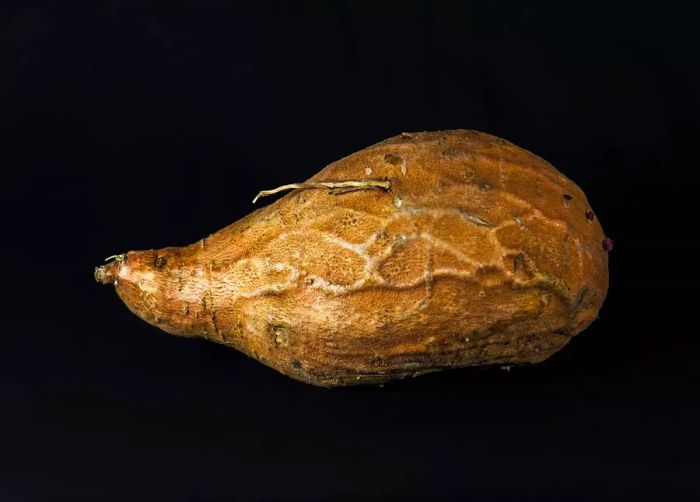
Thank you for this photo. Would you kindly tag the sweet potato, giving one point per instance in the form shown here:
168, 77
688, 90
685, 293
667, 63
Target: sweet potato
426, 251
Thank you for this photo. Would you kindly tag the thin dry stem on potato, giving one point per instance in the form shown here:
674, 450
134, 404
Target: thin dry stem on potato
119, 258
349, 185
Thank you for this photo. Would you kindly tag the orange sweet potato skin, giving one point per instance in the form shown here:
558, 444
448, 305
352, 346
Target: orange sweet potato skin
479, 253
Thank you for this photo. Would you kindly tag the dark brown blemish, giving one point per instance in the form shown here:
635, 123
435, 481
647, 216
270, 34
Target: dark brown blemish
159, 261
578, 301
485, 270
608, 244
296, 365
393, 159
518, 261
568, 198
212, 316
590, 215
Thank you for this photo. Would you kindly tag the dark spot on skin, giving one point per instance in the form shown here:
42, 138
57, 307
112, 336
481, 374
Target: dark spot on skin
487, 270
159, 261
608, 244
578, 301
518, 261
393, 159
590, 216
296, 365
568, 198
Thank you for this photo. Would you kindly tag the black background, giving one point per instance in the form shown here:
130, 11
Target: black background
136, 125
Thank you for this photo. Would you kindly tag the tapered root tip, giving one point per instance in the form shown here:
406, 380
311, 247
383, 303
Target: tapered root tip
106, 274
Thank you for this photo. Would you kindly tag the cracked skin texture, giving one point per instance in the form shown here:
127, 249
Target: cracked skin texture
479, 253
